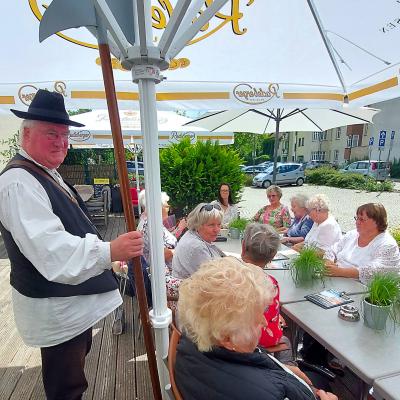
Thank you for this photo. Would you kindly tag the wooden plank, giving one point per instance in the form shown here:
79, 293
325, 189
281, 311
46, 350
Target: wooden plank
143, 381
105, 378
92, 360
31, 374
125, 385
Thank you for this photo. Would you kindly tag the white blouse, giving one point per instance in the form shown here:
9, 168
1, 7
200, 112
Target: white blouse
381, 254
324, 235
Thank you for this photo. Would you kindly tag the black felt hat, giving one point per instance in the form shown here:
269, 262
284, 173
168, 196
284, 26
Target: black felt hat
47, 106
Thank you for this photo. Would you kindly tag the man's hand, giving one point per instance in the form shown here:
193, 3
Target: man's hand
126, 246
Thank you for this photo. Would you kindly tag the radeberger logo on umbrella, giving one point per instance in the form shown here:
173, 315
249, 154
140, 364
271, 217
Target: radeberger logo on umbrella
26, 93
80, 136
250, 94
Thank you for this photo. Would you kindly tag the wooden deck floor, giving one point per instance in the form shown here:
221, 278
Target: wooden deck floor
116, 366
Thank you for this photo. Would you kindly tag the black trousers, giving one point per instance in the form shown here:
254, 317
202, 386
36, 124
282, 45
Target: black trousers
63, 368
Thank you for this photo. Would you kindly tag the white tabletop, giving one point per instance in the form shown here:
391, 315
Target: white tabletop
387, 388
233, 247
368, 353
289, 293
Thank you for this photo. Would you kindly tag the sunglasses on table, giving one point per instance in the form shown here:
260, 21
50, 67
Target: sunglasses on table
209, 207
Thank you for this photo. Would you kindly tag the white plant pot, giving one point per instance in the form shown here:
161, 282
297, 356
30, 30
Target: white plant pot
375, 317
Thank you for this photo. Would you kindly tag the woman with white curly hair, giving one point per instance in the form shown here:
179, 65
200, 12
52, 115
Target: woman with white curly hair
325, 231
221, 310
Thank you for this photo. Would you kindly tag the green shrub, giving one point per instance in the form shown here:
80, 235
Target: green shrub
239, 223
384, 289
395, 232
329, 177
192, 173
248, 180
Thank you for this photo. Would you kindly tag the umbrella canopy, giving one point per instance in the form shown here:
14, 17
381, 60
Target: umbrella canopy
281, 120
171, 129
285, 54
264, 121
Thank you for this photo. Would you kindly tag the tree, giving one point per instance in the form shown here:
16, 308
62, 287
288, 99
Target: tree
12, 144
192, 173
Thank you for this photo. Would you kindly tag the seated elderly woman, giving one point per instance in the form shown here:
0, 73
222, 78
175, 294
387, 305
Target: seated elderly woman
259, 246
221, 310
169, 240
196, 245
301, 223
325, 231
274, 213
365, 250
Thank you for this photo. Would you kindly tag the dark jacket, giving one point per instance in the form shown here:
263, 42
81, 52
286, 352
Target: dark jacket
226, 375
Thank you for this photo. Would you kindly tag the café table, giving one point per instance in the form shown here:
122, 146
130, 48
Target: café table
233, 247
387, 388
289, 293
370, 354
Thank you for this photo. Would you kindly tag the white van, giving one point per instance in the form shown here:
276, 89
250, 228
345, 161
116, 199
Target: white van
380, 170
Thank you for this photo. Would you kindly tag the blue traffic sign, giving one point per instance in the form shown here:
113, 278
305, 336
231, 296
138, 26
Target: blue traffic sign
381, 142
382, 135
392, 135
371, 141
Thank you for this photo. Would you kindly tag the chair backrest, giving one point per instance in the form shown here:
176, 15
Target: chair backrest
173, 343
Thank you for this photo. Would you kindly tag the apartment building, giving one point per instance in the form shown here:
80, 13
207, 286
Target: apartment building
337, 146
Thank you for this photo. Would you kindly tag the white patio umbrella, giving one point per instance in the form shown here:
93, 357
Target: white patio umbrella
282, 120
171, 129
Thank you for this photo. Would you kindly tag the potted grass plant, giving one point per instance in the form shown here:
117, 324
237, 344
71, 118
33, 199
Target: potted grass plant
308, 267
381, 300
237, 227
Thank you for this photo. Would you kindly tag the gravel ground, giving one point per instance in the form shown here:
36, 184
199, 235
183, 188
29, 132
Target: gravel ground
344, 202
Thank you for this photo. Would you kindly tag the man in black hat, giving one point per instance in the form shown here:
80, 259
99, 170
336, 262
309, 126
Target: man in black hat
61, 276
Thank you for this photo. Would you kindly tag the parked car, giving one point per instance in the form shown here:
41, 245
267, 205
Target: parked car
286, 174
131, 167
317, 163
254, 169
380, 170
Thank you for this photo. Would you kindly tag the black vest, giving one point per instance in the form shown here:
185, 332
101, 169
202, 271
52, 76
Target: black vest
24, 277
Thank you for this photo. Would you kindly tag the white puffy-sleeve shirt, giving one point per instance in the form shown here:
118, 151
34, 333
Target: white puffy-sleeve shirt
324, 235
381, 254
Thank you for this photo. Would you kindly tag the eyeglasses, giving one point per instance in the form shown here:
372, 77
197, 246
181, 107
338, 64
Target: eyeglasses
272, 195
361, 219
224, 190
209, 207
54, 135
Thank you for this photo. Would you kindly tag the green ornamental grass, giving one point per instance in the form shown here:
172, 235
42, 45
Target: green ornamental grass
384, 289
308, 266
239, 223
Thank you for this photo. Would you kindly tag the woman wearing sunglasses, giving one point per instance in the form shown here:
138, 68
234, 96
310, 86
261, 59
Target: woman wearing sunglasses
196, 245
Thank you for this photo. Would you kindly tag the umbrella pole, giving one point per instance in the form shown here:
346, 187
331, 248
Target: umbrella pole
276, 144
128, 211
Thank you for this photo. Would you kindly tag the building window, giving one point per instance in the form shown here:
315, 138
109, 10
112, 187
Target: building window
318, 136
315, 136
354, 142
336, 155
349, 139
318, 155
338, 133
301, 142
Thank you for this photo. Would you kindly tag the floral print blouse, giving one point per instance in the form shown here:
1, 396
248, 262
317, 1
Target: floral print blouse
278, 218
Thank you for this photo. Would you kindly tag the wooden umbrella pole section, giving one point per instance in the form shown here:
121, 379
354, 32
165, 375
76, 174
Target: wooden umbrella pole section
128, 211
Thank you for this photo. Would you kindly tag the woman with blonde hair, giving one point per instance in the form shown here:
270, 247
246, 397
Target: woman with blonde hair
221, 310
196, 245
